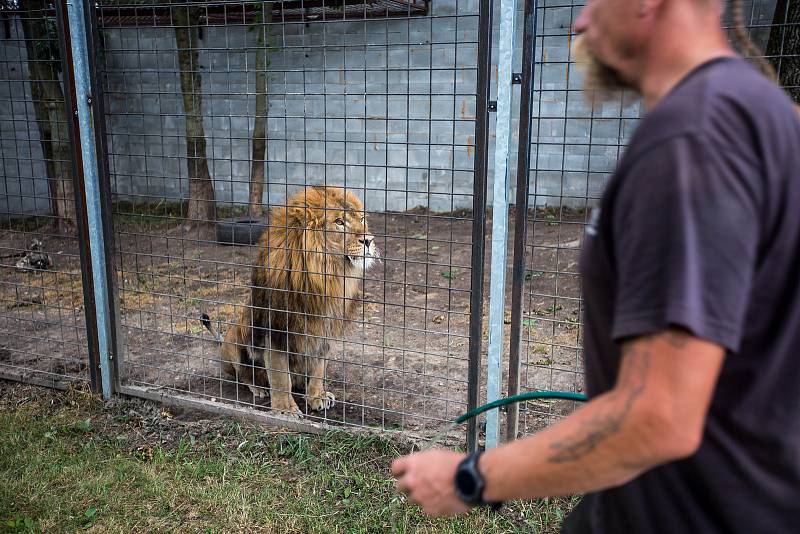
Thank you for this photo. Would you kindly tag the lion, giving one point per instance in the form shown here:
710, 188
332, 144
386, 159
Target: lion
235, 356
305, 289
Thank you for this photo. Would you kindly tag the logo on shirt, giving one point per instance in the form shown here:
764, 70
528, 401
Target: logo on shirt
591, 226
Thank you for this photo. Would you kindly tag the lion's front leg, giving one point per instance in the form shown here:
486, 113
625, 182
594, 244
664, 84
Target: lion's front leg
253, 375
318, 398
280, 383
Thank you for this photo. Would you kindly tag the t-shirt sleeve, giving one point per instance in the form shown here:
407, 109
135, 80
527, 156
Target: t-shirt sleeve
686, 233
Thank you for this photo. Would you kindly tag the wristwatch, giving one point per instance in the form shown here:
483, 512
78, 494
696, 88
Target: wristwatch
470, 484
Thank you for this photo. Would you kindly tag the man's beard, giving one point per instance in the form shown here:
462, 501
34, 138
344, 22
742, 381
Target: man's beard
601, 83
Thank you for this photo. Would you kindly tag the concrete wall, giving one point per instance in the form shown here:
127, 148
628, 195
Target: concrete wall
385, 106
350, 103
23, 179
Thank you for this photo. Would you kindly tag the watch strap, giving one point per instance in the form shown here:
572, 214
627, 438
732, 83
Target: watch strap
471, 463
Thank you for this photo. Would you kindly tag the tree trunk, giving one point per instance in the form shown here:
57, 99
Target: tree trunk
784, 41
257, 166
51, 117
201, 189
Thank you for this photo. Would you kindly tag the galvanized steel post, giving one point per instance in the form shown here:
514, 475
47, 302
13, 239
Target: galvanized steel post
505, 64
521, 213
76, 18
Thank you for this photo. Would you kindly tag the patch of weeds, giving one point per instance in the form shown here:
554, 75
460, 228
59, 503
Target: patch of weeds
89, 517
195, 327
541, 349
191, 302
530, 275
451, 274
550, 512
83, 426
226, 212
159, 214
24, 224
295, 447
551, 220
530, 323
548, 311
18, 524
543, 361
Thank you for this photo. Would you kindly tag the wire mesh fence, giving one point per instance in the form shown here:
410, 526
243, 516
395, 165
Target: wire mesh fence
574, 151
42, 325
574, 148
220, 119
375, 98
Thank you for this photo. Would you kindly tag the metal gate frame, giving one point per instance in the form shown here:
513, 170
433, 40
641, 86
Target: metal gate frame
79, 33
84, 100
93, 197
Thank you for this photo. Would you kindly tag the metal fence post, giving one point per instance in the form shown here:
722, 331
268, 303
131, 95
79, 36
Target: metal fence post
505, 65
104, 182
521, 217
73, 127
479, 217
72, 14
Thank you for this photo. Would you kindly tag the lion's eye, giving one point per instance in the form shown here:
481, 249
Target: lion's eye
339, 222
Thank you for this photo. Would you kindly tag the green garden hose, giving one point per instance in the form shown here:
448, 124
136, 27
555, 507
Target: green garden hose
530, 395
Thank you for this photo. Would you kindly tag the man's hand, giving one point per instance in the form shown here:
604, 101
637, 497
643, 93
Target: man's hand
428, 479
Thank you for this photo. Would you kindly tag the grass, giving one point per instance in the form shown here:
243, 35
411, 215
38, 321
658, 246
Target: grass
70, 463
130, 215
25, 224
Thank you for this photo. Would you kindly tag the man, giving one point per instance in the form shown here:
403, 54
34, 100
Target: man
691, 283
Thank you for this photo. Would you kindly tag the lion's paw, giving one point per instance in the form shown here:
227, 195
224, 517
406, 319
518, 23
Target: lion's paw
325, 402
285, 408
259, 393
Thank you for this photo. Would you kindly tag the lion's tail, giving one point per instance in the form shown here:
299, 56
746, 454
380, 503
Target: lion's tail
207, 323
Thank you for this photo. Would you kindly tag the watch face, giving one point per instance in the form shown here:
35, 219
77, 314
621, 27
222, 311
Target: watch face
466, 483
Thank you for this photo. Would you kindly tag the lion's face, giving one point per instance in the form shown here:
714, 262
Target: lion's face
338, 224
358, 243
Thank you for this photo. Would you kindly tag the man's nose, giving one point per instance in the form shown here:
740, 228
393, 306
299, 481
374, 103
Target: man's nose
582, 22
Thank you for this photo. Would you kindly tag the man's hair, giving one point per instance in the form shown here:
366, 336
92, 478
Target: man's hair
746, 47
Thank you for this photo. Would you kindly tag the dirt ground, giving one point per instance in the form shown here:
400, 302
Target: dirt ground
403, 365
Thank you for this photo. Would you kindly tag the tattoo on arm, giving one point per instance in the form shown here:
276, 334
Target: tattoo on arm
677, 339
602, 426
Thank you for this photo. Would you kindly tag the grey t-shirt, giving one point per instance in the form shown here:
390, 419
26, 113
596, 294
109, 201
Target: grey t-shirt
700, 228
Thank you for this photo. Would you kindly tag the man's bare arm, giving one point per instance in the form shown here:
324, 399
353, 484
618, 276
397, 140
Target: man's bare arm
654, 414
